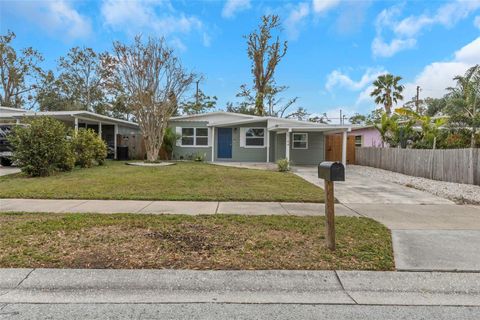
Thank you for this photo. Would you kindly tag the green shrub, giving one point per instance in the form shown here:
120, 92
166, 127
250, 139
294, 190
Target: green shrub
169, 140
283, 165
89, 148
42, 147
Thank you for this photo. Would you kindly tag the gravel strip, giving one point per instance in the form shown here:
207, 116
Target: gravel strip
457, 192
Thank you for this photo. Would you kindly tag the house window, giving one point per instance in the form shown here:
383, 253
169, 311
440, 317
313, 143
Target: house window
255, 137
358, 141
201, 136
300, 141
188, 136
194, 136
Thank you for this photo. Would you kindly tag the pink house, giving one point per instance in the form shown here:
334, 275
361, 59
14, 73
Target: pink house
366, 136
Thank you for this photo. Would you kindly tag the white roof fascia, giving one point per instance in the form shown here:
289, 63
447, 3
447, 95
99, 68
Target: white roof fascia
204, 115
223, 124
89, 116
320, 129
12, 110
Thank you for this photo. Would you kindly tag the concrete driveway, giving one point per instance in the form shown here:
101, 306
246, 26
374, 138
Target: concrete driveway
363, 189
428, 232
8, 170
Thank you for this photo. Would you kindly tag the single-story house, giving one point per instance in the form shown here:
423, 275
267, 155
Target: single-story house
366, 136
110, 129
224, 136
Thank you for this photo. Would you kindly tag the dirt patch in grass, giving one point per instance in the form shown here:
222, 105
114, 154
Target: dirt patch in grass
186, 242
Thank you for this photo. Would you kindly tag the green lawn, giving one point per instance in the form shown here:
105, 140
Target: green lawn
41, 240
182, 181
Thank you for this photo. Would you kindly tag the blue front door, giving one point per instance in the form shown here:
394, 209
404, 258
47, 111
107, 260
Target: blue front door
224, 149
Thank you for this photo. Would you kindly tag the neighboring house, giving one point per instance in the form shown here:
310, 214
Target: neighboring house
366, 136
224, 136
111, 129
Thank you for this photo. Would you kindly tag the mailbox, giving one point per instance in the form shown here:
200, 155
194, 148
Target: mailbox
331, 171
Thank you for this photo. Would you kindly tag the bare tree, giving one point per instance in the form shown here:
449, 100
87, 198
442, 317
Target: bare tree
265, 55
19, 72
154, 80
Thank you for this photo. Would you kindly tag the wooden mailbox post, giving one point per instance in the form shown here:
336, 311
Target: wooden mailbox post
330, 172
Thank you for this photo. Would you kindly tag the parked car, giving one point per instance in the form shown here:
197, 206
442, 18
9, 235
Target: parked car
5, 147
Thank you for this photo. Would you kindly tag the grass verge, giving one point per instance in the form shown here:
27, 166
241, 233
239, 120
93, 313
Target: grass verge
183, 181
231, 242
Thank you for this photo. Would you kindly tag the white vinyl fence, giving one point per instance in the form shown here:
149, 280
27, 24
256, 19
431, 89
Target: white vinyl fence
452, 165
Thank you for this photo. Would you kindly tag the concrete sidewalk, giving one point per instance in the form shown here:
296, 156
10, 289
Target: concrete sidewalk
68, 286
168, 207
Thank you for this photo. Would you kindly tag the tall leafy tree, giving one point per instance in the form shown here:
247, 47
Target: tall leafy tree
387, 91
19, 73
85, 77
357, 118
265, 51
154, 81
50, 96
277, 105
463, 103
200, 103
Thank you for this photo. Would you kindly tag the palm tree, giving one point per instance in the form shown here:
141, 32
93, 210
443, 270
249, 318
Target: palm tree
387, 91
464, 102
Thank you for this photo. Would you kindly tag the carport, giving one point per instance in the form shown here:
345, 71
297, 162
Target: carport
110, 129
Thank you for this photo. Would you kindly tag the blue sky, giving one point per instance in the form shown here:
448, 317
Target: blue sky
336, 48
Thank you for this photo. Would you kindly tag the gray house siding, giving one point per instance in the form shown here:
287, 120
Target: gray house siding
240, 153
280, 146
313, 155
315, 152
272, 146
189, 153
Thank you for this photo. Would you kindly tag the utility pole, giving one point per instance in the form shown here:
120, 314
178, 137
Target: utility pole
417, 99
196, 94
341, 119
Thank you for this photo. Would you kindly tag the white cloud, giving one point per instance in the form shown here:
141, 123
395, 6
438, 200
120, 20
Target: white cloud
158, 17
339, 79
55, 16
437, 76
296, 18
382, 49
434, 77
231, 7
476, 22
405, 31
321, 6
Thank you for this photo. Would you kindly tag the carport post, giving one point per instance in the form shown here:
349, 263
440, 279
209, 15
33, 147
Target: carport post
100, 129
115, 130
213, 144
76, 124
287, 144
344, 148
268, 145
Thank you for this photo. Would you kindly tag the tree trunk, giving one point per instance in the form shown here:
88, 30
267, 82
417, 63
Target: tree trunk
259, 109
152, 151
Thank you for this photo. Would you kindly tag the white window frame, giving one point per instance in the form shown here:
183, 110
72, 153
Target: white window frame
194, 145
361, 140
246, 138
293, 140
